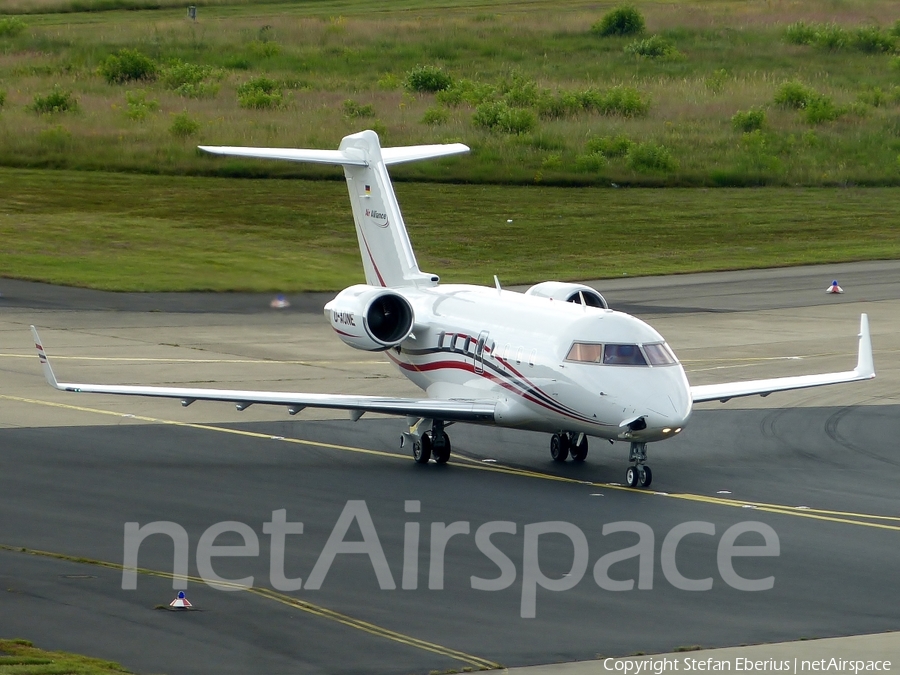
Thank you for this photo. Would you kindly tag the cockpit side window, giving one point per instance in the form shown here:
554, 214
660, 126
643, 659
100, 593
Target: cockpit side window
585, 352
623, 355
659, 354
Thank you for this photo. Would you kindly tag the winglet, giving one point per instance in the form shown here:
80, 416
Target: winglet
45, 362
865, 364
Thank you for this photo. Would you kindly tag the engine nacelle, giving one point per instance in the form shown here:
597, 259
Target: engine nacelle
558, 290
370, 318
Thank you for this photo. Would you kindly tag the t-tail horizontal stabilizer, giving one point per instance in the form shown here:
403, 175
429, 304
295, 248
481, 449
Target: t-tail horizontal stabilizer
387, 254
865, 370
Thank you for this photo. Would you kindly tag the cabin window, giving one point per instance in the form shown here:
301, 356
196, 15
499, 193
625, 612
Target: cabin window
506, 352
519, 354
659, 354
532, 357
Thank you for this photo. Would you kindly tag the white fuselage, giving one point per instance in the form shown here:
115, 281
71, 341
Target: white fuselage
478, 342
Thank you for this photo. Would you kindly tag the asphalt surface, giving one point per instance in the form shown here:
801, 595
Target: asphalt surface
821, 468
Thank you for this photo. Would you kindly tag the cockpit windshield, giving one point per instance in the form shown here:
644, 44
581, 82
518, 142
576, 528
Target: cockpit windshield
653, 354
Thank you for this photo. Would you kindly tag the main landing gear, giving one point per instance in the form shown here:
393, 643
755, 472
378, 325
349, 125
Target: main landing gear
638, 475
427, 444
566, 443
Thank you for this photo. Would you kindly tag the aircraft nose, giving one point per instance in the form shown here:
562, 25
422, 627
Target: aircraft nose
669, 405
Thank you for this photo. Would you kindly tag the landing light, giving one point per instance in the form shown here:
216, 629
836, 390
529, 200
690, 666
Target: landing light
678, 430
666, 430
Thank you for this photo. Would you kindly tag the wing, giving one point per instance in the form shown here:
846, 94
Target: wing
865, 370
458, 410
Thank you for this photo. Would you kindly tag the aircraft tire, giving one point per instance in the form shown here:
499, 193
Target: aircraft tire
645, 476
580, 450
631, 476
441, 456
559, 448
422, 449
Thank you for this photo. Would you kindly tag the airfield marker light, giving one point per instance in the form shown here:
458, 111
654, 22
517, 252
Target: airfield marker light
181, 602
834, 288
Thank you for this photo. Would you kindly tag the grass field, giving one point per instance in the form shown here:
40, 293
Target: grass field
134, 232
20, 657
341, 65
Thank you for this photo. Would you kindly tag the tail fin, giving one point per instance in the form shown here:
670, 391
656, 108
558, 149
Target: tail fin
387, 254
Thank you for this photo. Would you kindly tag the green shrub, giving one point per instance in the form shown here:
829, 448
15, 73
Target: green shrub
621, 101
831, 36
55, 138
57, 101
800, 33
875, 97
748, 120
648, 156
183, 126
352, 109
429, 79
821, 109
138, 107
520, 92
590, 163
435, 116
624, 20
11, 26
389, 82
263, 49
2, 97
794, 95
895, 29
466, 91
238, 63
259, 93
610, 146
871, 40
499, 116
653, 47
716, 81
189, 79
128, 65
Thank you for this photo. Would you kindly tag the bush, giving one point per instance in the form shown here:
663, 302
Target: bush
2, 97
800, 33
622, 101
188, 79
821, 109
137, 105
128, 65
498, 116
11, 26
895, 30
610, 146
654, 47
520, 92
429, 79
183, 126
794, 95
57, 101
875, 97
466, 91
435, 116
651, 157
624, 20
259, 93
871, 40
590, 163
831, 36
352, 109
748, 120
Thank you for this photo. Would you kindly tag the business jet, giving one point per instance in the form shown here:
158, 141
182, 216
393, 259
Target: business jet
554, 359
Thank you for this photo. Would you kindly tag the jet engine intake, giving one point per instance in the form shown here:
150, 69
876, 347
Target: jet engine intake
370, 318
566, 292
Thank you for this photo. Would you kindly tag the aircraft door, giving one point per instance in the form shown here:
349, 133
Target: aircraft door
479, 352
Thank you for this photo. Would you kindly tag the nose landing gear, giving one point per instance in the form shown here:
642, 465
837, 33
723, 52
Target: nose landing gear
638, 475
